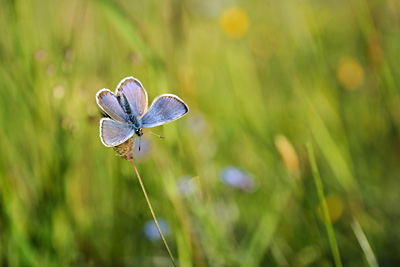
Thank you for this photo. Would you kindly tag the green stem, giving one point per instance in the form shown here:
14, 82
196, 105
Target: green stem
327, 218
152, 213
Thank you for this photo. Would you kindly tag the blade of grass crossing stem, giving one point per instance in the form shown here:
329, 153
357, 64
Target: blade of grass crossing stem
327, 219
152, 213
365, 246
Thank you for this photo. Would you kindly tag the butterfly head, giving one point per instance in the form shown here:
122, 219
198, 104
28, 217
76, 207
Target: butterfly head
139, 132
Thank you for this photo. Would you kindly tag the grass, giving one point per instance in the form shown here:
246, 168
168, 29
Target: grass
152, 213
324, 207
319, 71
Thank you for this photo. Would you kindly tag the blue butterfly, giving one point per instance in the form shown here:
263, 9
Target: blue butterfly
128, 111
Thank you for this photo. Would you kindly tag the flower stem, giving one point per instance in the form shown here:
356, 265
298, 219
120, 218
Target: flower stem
152, 212
324, 207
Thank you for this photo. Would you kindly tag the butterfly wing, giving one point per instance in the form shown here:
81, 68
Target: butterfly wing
164, 109
113, 133
109, 103
135, 93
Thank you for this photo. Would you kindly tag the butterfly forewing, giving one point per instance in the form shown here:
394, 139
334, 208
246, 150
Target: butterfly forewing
164, 109
113, 133
135, 93
109, 103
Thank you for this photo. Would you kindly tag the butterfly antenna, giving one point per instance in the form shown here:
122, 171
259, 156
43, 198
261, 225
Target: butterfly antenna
156, 134
139, 142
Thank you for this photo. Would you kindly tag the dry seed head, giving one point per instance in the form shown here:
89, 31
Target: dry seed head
125, 150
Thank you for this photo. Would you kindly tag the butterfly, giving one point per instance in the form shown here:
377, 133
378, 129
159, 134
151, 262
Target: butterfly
128, 113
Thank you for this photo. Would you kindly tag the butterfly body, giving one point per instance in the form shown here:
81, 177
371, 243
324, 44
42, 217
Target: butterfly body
131, 118
128, 112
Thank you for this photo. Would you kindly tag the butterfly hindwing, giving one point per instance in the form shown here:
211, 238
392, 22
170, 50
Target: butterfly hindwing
113, 133
164, 109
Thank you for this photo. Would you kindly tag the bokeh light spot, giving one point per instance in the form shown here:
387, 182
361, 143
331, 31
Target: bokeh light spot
234, 22
335, 208
151, 232
288, 155
350, 73
238, 178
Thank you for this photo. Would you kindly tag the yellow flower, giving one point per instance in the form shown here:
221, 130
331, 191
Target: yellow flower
350, 73
234, 22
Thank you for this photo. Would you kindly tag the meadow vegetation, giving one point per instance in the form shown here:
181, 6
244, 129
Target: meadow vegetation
289, 156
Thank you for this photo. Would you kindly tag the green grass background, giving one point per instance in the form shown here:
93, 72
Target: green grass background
65, 199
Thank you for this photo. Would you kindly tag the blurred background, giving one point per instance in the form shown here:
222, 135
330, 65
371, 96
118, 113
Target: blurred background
232, 183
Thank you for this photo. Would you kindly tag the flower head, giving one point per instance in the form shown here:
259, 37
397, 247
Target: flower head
125, 150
